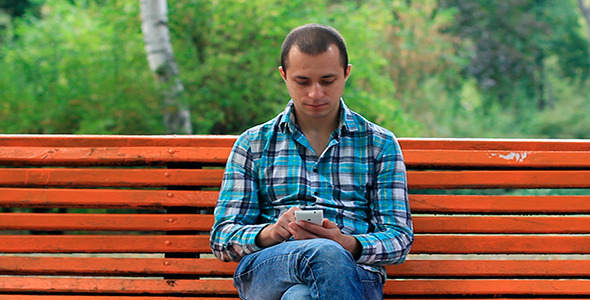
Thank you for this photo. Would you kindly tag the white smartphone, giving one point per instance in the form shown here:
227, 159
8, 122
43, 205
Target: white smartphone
312, 216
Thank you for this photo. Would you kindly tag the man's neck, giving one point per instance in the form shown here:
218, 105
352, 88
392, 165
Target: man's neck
318, 131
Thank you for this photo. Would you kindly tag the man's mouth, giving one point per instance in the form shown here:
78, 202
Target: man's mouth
316, 105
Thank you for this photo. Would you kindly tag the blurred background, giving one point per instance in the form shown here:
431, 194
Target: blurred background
430, 68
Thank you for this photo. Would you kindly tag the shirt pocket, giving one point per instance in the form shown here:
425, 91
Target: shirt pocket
284, 182
352, 181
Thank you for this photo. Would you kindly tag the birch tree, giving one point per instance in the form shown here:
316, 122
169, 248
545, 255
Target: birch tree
154, 26
585, 8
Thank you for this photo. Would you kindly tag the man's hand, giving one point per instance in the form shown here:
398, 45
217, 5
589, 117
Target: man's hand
277, 232
329, 230
286, 227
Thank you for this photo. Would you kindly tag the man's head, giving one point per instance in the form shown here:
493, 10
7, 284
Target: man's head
318, 69
313, 39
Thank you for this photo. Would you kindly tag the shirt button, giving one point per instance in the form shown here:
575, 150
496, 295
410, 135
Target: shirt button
315, 193
315, 170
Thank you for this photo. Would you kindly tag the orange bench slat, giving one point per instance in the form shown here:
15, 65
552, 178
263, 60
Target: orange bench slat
574, 268
490, 287
204, 222
433, 287
528, 179
211, 267
146, 155
502, 224
105, 243
495, 159
501, 244
37, 177
495, 144
116, 286
114, 266
106, 198
419, 203
105, 222
87, 156
423, 244
212, 177
500, 204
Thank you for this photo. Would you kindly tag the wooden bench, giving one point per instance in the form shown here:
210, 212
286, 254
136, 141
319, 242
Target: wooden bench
127, 217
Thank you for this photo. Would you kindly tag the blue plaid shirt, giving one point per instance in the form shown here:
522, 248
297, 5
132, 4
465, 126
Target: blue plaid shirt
359, 182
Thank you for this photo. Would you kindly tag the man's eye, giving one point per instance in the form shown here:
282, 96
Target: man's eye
328, 82
302, 82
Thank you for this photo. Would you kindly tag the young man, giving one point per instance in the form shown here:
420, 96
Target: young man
316, 154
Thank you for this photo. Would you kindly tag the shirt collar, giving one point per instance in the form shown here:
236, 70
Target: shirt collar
347, 120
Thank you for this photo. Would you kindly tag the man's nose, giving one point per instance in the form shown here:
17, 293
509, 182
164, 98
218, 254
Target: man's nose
316, 91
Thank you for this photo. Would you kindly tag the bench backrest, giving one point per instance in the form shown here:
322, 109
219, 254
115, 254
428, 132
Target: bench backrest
129, 215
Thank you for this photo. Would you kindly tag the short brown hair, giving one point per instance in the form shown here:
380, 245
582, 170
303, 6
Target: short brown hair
314, 39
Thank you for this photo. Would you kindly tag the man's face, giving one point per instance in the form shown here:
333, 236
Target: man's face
315, 83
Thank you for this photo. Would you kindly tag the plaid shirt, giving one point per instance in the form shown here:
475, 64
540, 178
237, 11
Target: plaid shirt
359, 182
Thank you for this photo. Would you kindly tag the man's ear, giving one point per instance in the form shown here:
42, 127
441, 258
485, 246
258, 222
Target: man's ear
347, 73
283, 73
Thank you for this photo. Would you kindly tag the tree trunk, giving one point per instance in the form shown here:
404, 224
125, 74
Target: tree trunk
154, 25
585, 8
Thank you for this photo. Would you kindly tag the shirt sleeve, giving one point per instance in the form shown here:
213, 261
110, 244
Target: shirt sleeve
392, 238
237, 211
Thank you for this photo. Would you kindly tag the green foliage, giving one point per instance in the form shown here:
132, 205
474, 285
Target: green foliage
78, 69
568, 116
17, 8
518, 68
472, 68
231, 68
370, 90
510, 42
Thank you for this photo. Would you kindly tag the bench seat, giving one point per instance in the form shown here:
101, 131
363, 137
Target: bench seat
127, 217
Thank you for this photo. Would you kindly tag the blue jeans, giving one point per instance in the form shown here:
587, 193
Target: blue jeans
306, 269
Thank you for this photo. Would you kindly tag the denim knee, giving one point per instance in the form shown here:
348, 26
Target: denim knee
297, 292
328, 251
329, 248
